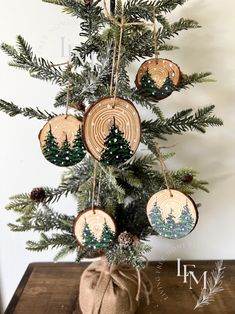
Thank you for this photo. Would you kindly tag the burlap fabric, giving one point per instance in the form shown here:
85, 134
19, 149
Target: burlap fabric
112, 290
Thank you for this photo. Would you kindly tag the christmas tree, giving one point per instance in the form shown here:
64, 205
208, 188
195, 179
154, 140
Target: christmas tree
89, 74
116, 148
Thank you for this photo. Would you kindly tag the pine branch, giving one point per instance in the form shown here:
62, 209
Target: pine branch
13, 110
192, 79
170, 30
23, 58
168, 5
180, 122
54, 241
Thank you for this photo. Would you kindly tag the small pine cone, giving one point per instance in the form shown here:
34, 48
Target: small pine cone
88, 2
188, 178
126, 239
38, 195
80, 106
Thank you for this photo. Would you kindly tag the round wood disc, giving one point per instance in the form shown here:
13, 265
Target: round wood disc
98, 122
61, 140
94, 229
173, 217
159, 70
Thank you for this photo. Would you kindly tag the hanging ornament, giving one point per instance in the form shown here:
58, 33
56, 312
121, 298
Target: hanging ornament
94, 229
172, 215
158, 78
112, 130
61, 141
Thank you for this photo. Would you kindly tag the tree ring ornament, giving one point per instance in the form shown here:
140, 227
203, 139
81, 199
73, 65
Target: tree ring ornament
112, 130
94, 229
61, 141
172, 217
158, 78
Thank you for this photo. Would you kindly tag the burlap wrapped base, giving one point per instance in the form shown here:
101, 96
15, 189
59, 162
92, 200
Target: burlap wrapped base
111, 290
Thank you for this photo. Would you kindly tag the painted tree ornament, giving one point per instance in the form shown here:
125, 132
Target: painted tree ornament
173, 217
94, 229
112, 130
61, 141
158, 78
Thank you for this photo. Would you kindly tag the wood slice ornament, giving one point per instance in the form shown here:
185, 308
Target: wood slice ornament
112, 130
94, 229
173, 217
61, 141
158, 78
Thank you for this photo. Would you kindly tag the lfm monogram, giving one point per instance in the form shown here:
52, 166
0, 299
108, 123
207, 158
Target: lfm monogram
190, 274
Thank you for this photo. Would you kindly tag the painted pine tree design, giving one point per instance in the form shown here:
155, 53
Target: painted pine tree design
66, 155
89, 239
51, 149
156, 218
169, 228
78, 148
107, 235
186, 222
149, 88
116, 148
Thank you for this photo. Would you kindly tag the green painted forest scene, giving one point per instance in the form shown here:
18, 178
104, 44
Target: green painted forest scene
169, 227
148, 87
90, 240
65, 155
116, 148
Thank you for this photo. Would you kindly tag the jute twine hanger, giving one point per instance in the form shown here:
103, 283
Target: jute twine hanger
164, 169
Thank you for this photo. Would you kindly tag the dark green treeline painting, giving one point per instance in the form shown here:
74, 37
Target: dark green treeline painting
90, 241
148, 87
169, 228
116, 148
67, 154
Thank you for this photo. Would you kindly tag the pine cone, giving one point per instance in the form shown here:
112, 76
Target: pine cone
80, 106
38, 195
126, 239
187, 178
88, 2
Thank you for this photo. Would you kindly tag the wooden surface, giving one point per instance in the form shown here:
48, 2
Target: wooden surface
48, 288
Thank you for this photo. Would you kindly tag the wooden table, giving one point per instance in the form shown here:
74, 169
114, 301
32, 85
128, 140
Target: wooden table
48, 288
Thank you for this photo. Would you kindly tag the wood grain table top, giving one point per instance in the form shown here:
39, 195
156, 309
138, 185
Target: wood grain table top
53, 288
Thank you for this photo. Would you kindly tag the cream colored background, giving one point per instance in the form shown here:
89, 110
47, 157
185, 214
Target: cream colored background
22, 166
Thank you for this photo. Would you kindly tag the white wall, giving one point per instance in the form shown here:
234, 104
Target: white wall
22, 166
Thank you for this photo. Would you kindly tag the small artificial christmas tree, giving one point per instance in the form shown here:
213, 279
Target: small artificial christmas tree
138, 178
